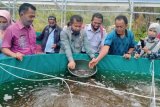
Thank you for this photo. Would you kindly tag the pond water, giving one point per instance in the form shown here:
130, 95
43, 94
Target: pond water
99, 91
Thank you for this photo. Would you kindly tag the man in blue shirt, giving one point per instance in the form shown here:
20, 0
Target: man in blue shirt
119, 42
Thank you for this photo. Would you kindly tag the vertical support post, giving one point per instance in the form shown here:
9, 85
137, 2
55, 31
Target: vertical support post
131, 6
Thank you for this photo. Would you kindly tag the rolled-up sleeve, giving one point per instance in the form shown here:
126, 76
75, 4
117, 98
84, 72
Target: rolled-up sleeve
132, 42
108, 40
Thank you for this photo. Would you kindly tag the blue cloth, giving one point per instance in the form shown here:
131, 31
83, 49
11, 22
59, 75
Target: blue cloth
50, 43
118, 45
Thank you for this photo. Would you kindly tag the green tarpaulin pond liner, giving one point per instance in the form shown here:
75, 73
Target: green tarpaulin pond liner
115, 68
57, 64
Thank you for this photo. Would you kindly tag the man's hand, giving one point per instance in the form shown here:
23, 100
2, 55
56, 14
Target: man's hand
127, 56
71, 65
19, 56
54, 46
136, 55
93, 62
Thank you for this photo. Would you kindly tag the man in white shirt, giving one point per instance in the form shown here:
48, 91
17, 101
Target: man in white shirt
95, 32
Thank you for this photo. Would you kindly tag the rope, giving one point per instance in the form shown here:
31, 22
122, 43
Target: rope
53, 78
153, 101
82, 83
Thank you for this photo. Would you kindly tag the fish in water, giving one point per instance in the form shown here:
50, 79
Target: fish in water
81, 72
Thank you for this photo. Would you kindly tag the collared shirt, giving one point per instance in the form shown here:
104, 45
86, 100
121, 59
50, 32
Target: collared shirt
50, 42
95, 38
20, 39
118, 45
71, 43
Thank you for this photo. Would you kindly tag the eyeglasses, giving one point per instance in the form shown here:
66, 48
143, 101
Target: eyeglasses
51, 18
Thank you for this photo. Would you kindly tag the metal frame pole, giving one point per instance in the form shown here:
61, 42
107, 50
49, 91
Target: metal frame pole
131, 6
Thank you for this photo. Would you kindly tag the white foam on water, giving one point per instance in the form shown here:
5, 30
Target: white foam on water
0, 105
7, 97
61, 74
54, 94
24, 88
19, 93
16, 89
30, 86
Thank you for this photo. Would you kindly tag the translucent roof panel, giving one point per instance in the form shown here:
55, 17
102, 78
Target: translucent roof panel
149, 1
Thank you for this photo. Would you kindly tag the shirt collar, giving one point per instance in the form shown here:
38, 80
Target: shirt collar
89, 28
21, 26
126, 33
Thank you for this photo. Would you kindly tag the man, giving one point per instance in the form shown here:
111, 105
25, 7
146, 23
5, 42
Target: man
20, 37
95, 32
119, 42
73, 39
50, 37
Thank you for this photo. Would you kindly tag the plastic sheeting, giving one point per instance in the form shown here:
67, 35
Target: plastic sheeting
56, 64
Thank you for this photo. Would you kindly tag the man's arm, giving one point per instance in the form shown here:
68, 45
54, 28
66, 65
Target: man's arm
67, 48
8, 52
7, 44
103, 52
17, 55
127, 55
66, 45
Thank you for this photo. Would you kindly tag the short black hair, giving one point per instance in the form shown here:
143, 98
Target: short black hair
122, 17
25, 6
98, 15
52, 18
78, 18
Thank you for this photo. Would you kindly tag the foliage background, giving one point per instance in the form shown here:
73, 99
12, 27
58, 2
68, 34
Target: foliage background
140, 22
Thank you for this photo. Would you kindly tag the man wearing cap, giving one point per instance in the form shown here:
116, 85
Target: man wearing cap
50, 36
20, 37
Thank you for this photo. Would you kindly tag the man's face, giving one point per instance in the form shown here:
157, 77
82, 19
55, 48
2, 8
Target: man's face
120, 27
28, 17
51, 22
96, 23
76, 26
